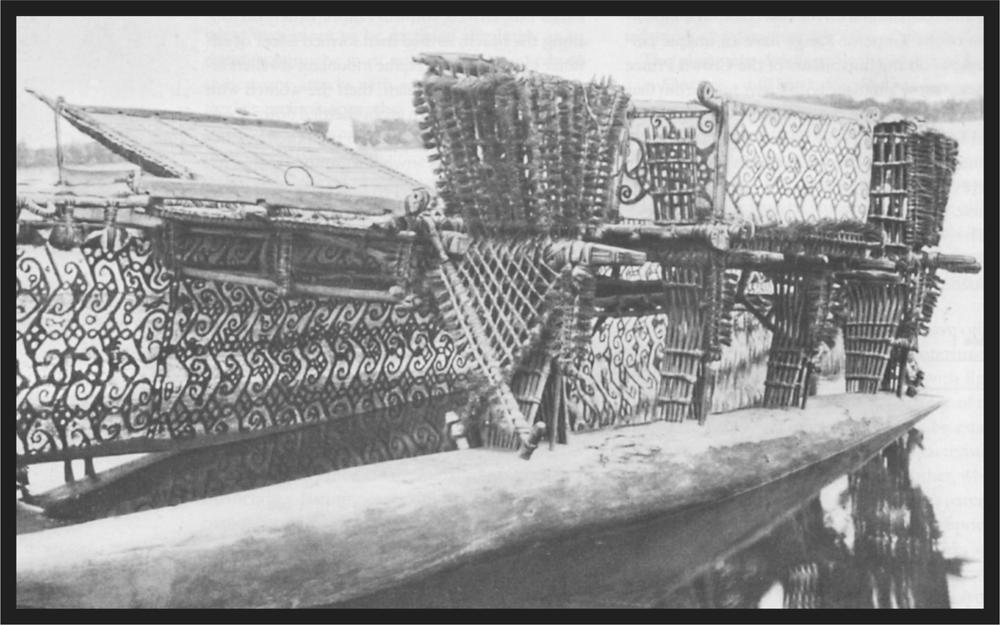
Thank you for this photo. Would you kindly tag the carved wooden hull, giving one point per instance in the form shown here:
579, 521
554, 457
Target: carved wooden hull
347, 534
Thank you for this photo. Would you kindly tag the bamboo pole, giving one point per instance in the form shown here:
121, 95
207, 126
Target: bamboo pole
57, 113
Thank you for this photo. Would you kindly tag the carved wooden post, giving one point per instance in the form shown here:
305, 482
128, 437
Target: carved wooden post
279, 261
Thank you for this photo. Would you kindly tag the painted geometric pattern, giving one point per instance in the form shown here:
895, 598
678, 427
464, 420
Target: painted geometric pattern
615, 381
783, 166
91, 332
616, 384
110, 349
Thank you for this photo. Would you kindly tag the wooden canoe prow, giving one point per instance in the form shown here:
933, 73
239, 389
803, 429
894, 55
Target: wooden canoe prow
350, 533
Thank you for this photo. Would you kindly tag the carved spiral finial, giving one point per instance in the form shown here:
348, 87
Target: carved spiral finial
708, 96
417, 201
871, 116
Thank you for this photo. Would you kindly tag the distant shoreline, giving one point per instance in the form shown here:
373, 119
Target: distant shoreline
401, 134
944, 111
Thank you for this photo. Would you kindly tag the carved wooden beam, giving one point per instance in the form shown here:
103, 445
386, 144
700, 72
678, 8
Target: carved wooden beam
711, 98
718, 236
868, 275
320, 290
594, 254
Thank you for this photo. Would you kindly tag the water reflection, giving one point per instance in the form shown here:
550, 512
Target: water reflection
886, 557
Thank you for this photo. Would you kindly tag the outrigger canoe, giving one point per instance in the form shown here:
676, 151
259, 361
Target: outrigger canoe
349, 534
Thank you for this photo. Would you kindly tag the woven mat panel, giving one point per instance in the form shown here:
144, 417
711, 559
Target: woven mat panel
743, 365
832, 156
873, 313
111, 349
616, 382
640, 369
521, 152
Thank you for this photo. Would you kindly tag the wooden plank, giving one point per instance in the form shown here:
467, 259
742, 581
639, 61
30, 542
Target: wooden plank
214, 275
716, 235
649, 108
74, 491
339, 292
91, 210
869, 275
190, 117
350, 533
79, 176
304, 198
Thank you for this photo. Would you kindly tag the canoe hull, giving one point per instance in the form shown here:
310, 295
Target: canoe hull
351, 533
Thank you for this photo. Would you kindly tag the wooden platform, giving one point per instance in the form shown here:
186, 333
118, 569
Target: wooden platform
355, 532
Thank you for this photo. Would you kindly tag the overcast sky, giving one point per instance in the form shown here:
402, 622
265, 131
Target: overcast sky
357, 67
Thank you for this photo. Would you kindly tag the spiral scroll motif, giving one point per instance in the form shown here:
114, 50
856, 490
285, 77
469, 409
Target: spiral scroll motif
787, 166
111, 348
